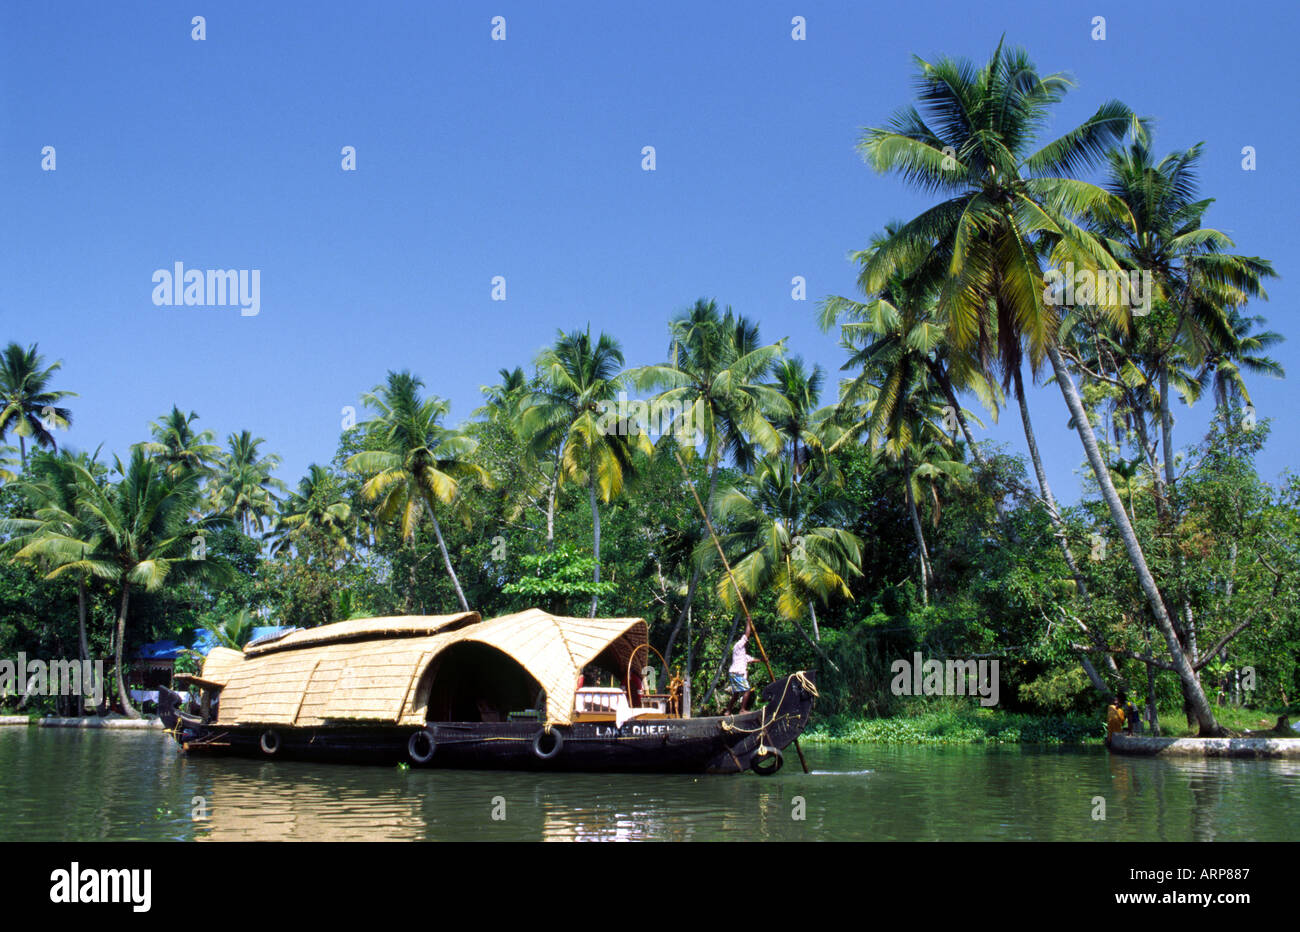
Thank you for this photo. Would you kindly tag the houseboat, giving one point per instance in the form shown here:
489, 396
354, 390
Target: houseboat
456, 691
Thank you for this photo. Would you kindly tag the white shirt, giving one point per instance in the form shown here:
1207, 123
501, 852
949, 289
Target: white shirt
740, 659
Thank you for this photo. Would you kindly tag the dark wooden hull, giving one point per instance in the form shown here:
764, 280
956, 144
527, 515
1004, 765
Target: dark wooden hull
729, 744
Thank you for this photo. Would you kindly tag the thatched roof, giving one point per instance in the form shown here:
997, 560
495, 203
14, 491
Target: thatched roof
220, 662
378, 669
361, 629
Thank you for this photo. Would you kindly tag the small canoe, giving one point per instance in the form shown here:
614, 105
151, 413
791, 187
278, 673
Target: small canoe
1205, 747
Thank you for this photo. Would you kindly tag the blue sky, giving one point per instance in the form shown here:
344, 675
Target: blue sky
522, 159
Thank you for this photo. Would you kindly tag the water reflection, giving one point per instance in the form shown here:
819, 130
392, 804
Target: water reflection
267, 802
75, 785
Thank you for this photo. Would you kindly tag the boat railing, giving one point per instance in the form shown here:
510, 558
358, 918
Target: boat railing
609, 699
599, 699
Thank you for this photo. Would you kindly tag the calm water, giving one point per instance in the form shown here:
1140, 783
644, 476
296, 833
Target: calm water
71, 785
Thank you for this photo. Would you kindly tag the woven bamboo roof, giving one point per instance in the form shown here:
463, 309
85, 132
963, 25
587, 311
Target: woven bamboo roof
375, 669
361, 629
220, 662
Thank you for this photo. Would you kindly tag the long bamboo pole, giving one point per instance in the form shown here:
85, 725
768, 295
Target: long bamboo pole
749, 621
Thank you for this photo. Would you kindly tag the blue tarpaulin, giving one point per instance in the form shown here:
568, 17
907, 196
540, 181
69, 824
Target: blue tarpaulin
203, 642
159, 650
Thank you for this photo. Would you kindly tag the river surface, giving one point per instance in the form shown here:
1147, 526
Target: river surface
73, 785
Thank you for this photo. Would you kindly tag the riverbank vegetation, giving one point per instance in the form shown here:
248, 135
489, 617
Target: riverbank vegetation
960, 725
865, 518
953, 722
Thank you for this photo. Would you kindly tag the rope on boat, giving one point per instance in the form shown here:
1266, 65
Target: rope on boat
764, 722
805, 683
785, 690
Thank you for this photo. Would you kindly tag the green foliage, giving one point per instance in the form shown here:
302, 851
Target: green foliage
234, 631
974, 726
1060, 689
555, 577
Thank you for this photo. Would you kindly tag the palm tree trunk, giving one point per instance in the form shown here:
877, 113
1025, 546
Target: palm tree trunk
683, 616
1058, 528
123, 696
22, 449
689, 654
695, 574
550, 516
408, 603
551, 493
950, 393
446, 561
1166, 426
812, 611
1158, 491
817, 648
1153, 714
1187, 622
96, 689
81, 618
595, 537
922, 554
1093, 676
1209, 727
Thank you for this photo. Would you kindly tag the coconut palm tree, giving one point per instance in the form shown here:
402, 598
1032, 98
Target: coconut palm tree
908, 430
713, 385
1008, 208
28, 406
1189, 264
137, 532
900, 334
581, 378
530, 476
799, 419
244, 486
898, 330
414, 464
895, 341
787, 532
1197, 284
927, 464
180, 447
1222, 369
54, 498
504, 398
316, 509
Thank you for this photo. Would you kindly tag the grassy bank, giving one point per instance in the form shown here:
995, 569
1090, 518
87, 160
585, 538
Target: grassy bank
1239, 721
960, 726
967, 725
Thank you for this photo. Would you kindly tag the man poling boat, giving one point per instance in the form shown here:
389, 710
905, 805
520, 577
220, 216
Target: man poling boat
749, 622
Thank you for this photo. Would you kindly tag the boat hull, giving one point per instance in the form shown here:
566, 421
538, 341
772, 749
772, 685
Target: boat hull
725, 744
1249, 747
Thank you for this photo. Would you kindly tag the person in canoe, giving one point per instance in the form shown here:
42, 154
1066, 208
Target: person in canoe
1116, 718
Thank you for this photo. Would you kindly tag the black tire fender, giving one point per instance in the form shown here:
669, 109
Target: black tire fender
269, 742
421, 746
541, 739
766, 761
